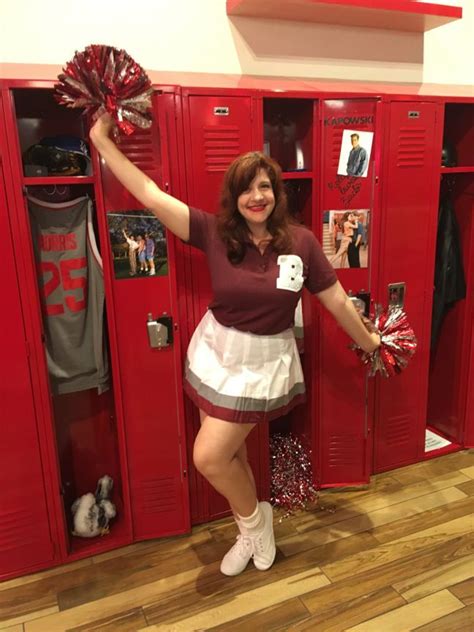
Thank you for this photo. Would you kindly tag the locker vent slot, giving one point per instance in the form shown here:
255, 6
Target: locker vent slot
336, 147
344, 450
18, 529
411, 151
139, 149
398, 431
157, 495
221, 146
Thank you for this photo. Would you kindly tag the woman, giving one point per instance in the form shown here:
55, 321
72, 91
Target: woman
242, 365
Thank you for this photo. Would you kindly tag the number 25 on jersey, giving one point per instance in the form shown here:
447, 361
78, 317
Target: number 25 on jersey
62, 283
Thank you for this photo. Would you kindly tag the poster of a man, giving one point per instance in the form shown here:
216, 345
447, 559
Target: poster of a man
138, 243
355, 153
346, 238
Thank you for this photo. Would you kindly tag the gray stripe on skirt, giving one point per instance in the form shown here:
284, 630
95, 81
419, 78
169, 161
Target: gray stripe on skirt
241, 403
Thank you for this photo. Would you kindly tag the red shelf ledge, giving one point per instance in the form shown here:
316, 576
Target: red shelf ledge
45, 180
457, 170
297, 175
400, 15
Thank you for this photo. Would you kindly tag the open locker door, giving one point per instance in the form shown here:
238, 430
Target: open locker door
148, 341
469, 433
25, 529
347, 207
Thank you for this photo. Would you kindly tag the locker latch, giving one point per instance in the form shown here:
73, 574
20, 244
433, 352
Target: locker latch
396, 294
160, 331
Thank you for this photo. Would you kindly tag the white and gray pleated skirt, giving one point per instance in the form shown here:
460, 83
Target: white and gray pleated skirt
243, 377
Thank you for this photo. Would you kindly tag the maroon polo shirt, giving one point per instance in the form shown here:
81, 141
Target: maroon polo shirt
254, 295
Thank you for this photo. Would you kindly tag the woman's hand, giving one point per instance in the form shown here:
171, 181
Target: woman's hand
101, 129
375, 338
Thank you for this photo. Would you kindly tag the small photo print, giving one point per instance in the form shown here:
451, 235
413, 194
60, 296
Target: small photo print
138, 243
355, 153
346, 238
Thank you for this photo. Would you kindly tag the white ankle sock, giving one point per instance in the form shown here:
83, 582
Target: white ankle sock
253, 523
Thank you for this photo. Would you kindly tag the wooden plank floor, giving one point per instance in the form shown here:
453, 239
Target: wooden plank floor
396, 557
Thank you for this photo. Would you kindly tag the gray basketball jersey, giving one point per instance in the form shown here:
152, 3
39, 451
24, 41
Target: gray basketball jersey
72, 292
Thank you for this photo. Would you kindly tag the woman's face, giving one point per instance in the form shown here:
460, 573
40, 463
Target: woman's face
258, 201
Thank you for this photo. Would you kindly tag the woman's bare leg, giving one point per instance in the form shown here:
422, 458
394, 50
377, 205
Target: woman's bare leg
220, 455
215, 456
242, 455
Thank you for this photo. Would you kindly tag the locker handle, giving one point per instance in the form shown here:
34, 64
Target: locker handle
160, 331
396, 294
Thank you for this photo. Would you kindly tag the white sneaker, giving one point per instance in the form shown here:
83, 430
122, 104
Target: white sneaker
236, 559
263, 543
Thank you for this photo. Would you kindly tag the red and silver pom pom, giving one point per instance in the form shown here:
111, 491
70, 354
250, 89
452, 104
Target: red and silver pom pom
397, 343
291, 479
105, 79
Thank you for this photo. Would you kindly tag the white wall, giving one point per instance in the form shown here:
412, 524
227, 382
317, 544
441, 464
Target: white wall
449, 50
197, 36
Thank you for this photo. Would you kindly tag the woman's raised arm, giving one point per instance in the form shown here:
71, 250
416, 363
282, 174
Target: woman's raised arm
173, 213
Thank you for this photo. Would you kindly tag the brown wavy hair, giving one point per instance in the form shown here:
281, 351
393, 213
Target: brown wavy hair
231, 226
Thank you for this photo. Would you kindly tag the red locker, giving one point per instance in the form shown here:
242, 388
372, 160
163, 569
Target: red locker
412, 156
217, 129
81, 430
151, 382
291, 137
342, 413
134, 431
433, 393
26, 513
449, 383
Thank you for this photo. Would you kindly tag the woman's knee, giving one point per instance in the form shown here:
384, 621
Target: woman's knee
207, 463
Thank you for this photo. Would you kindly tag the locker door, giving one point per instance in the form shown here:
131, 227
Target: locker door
150, 377
25, 540
409, 230
341, 409
217, 130
469, 432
